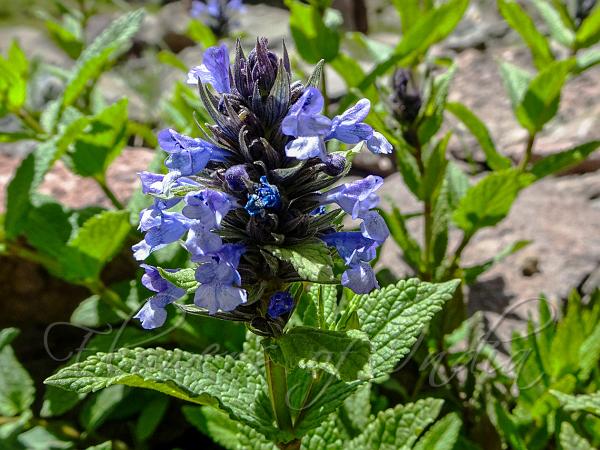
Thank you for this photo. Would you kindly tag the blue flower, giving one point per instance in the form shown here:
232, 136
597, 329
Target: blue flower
207, 206
360, 278
356, 198
352, 246
237, 177
265, 197
201, 242
153, 314
280, 303
219, 288
214, 69
215, 8
374, 226
187, 155
304, 118
161, 228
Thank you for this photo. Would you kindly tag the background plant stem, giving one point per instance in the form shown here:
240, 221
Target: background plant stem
277, 382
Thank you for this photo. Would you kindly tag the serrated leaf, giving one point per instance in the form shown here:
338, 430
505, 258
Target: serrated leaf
442, 435
570, 440
489, 201
98, 408
399, 427
101, 142
524, 25
311, 261
327, 436
233, 385
16, 386
563, 160
478, 129
355, 412
344, 354
183, 278
324, 297
394, 316
586, 402
541, 99
589, 30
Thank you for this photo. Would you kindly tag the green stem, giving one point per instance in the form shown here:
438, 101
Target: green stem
30, 121
528, 152
427, 212
277, 382
109, 296
457, 254
110, 194
324, 90
30, 255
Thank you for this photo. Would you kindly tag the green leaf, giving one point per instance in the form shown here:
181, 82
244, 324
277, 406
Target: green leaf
151, 417
409, 168
201, 33
316, 36
457, 185
95, 243
327, 436
507, 427
224, 431
558, 29
524, 25
587, 59
94, 312
589, 30
478, 129
489, 201
7, 335
393, 318
410, 11
398, 427
17, 391
411, 250
13, 80
516, 81
431, 115
435, 169
471, 273
587, 402
570, 440
355, 413
94, 59
39, 438
312, 261
58, 401
442, 435
344, 354
99, 407
104, 446
563, 160
101, 142
183, 278
232, 385
589, 353
68, 36
541, 99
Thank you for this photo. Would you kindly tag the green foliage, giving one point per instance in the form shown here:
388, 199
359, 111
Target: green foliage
312, 261
16, 386
589, 31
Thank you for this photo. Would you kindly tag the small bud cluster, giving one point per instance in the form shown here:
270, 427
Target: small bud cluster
261, 178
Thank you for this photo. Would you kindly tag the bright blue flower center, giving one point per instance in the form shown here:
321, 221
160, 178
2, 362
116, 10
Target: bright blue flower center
266, 197
279, 304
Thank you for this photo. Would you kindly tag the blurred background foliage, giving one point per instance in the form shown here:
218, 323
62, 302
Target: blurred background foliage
85, 84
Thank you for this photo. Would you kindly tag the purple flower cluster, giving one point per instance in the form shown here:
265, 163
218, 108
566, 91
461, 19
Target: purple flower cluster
261, 177
219, 13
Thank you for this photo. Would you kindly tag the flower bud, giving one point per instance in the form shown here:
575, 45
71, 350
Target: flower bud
335, 164
236, 178
406, 98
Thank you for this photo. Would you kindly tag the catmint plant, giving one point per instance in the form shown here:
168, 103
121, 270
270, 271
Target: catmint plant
219, 14
259, 181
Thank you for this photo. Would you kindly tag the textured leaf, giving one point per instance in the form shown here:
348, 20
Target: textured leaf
398, 427
442, 435
563, 160
327, 436
524, 25
99, 407
570, 440
324, 297
343, 354
478, 129
587, 402
540, 100
589, 30
16, 386
312, 261
204, 379
489, 201
394, 316
355, 413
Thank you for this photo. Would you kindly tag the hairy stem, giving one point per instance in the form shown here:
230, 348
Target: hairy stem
277, 382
